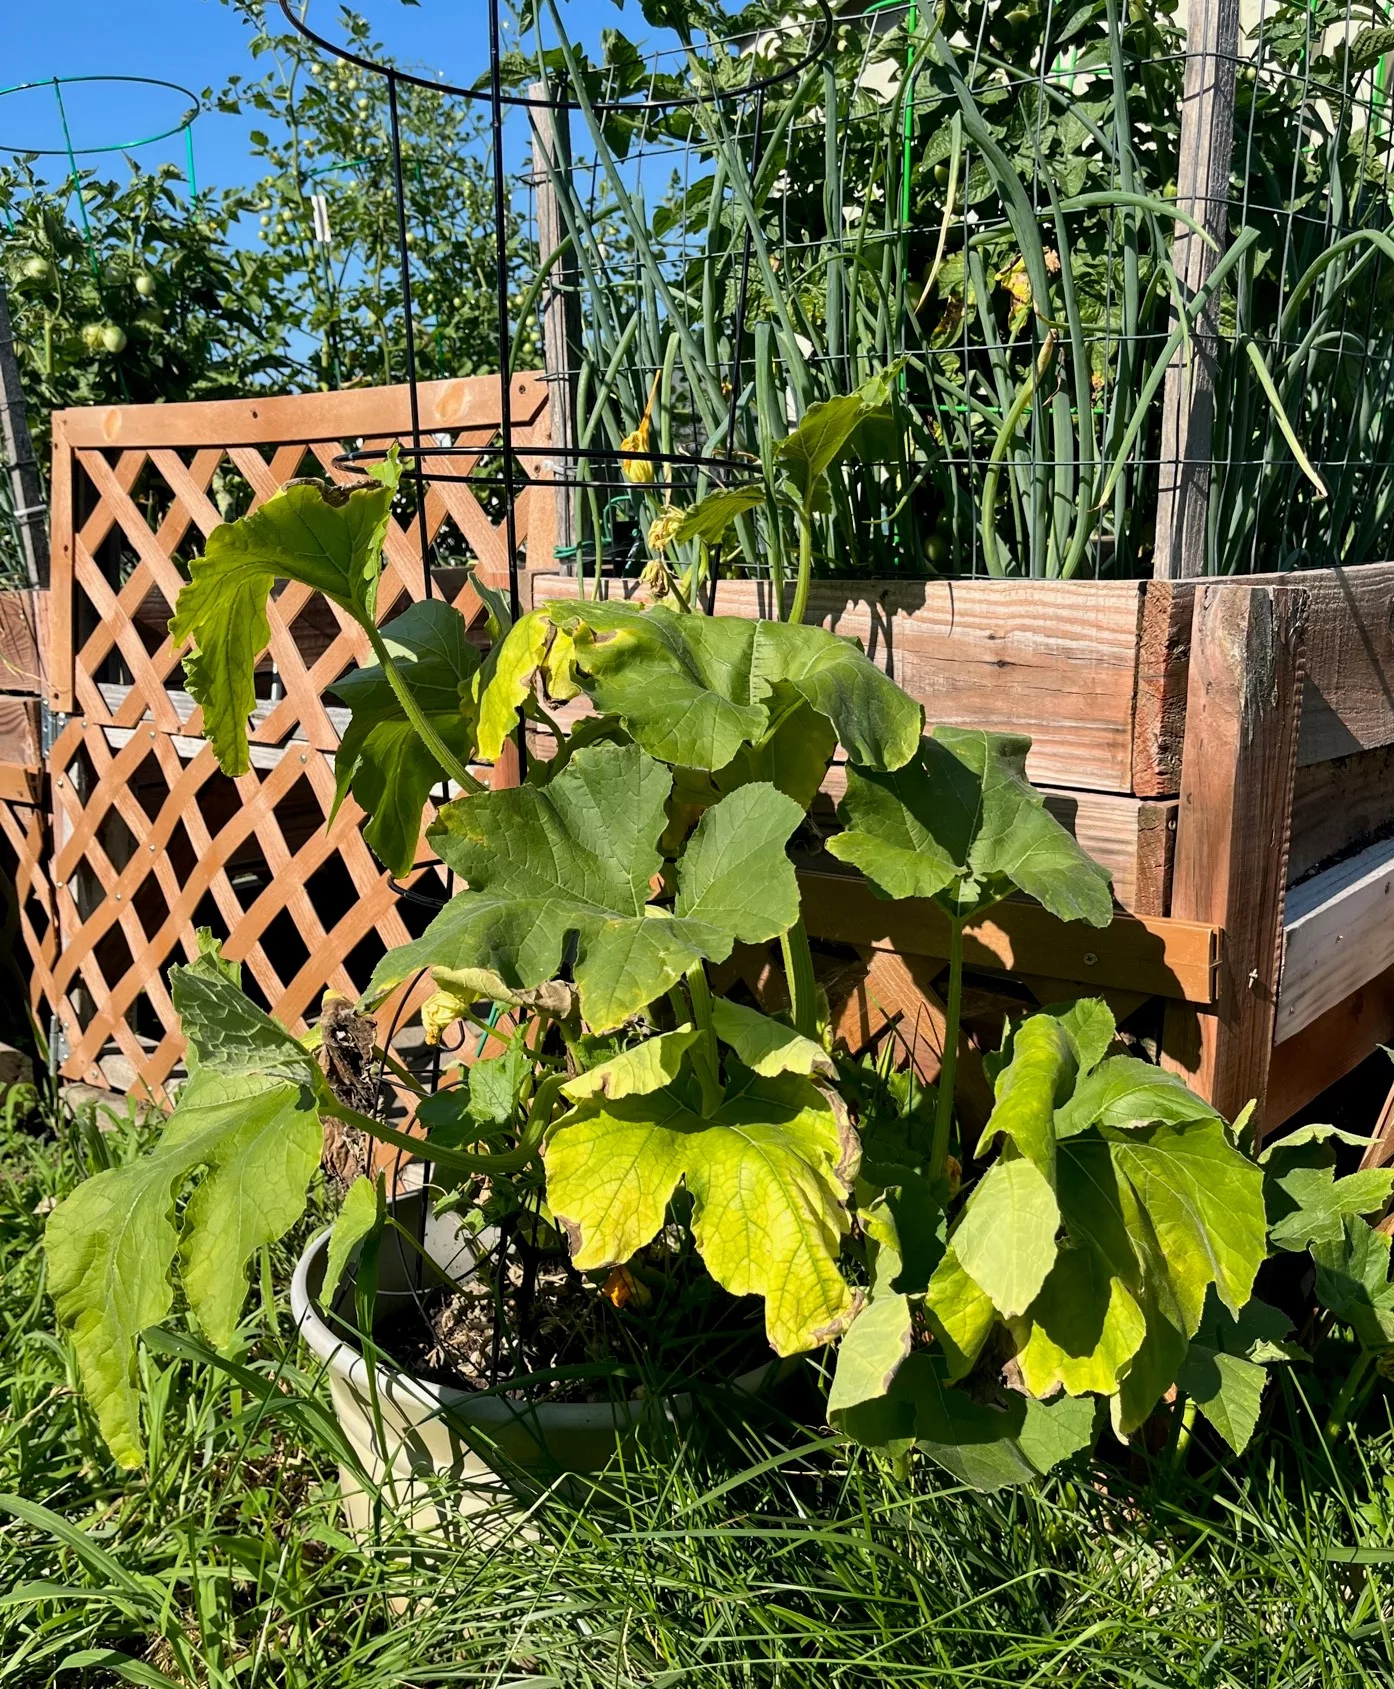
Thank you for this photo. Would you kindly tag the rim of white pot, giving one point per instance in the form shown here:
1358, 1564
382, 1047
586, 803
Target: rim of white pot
341, 1355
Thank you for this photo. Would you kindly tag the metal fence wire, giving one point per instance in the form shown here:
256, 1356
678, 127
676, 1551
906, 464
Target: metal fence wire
1129, 264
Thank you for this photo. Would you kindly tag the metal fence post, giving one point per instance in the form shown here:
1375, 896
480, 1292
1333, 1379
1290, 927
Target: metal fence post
560, 304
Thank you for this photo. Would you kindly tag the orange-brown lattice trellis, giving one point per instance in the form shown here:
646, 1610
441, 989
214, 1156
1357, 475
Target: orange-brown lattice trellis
148, 840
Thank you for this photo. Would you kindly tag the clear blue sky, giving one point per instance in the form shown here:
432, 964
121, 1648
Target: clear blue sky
200, 43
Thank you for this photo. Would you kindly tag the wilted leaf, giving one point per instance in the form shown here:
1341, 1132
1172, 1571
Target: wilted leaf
321, 535
870, 1353
768, 1173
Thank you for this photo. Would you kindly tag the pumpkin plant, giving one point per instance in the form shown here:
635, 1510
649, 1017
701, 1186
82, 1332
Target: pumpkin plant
1106, 1251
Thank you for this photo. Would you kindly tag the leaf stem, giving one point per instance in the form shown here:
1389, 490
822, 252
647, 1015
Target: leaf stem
799, 607
1340, 1408
798, 971
704, 1054
953, 1012
418, 718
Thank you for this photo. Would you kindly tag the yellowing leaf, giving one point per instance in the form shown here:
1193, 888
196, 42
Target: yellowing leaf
1006, 1237
509, 681
768, 1173
768, 1046
321, 535
960, 1313
870, 1353
1082, 1331
634, 1073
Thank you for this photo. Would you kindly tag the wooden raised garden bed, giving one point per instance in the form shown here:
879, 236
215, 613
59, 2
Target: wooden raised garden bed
1225, 748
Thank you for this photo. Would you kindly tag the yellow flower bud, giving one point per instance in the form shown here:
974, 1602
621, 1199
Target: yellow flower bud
664, 527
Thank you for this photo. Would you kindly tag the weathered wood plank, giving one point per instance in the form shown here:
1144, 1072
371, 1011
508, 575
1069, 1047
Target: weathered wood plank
1338, 933
1340, 806
19, 785
22, 616
21, 739
1348, 700
1057, 660
1156, 954
1163, 667
1328, 1048
375, 412
1231, 841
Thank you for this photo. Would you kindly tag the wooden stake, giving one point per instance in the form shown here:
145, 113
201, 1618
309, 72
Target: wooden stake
1188, 400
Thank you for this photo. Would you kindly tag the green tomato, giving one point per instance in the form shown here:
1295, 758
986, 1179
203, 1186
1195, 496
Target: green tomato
941, 174
114, 339
92, 336
937, 551
145, 285
37, 269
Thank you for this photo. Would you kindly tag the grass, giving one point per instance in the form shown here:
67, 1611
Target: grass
784, 1560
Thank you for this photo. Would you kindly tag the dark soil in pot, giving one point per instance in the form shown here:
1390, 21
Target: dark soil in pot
542, 1332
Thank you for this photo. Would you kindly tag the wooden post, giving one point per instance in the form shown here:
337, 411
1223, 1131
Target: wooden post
1202, 189
561, 303
1237, 771
26, 490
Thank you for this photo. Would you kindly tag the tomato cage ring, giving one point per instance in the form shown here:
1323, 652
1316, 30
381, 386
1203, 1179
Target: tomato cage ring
661, 463
68, 150
494, 95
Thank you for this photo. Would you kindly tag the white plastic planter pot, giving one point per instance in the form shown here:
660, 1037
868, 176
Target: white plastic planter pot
404, 1429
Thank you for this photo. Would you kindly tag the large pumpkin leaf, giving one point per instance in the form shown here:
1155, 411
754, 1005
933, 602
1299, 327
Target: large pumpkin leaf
693, 690
324, 536
577, 857
960, 822
870, 1354
1083, 1328
382, 759
255, 1135
768, 1172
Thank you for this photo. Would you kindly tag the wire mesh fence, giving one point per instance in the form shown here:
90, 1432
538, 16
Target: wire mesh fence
1002, 204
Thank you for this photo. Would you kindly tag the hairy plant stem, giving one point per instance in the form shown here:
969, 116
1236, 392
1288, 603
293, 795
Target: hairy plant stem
799, 607
798, 971
417, 717
953, 1011
704, 1056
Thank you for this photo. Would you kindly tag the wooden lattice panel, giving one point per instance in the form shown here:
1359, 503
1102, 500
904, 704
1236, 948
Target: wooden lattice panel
146, 839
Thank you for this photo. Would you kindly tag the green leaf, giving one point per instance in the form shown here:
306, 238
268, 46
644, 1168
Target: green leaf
635, 1073
1205, 1204
768, 1046
962, 823
794, 757
1353, 1282
1090, 1025
876, 723
1126, 1092
978, 1442
692, 690
1029, 1089
816, 444
1315, 1203
870, 1353
111, 1243
709, 519
1006, 1236
680, 684
381, 758
1057, 1430
735, 875
323, 536
1082, 1330
1227, 1389
577, 857
768, 1174
354, 1221
959, 1312
1370, 46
